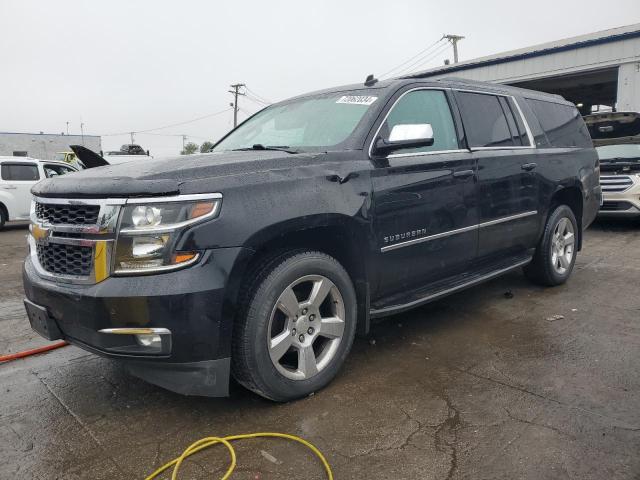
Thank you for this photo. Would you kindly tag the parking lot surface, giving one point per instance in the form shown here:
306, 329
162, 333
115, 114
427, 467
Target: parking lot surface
502, 381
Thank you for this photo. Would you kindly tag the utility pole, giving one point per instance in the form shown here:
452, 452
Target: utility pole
454, 39
184, 139
131, 137
67, 128
82, 131
236, 92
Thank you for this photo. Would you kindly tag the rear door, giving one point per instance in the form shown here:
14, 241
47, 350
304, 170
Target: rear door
424, 198
507, 180
15, 188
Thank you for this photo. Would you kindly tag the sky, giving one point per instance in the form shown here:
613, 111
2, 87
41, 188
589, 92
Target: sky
120, 66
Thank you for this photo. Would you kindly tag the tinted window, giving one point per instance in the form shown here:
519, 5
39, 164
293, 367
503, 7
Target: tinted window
51, 170
19, 172
562, 124
484, 120
424, 106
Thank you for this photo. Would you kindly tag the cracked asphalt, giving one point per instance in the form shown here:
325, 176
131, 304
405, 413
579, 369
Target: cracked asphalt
503, 381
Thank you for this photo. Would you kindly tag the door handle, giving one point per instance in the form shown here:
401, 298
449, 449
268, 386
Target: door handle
9, 187
529, 166
464, 173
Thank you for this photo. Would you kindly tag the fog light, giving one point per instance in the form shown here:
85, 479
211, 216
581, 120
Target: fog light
149, 340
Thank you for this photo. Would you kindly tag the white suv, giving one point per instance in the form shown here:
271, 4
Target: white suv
17, 176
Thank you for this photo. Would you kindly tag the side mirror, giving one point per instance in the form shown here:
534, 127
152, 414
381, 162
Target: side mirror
405, 136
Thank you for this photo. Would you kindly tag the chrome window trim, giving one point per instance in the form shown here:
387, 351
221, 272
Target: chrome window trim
457, 231
515, 147
420, 154
441, 89
531, 146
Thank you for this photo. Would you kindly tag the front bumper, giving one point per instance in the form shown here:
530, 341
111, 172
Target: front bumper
188, 303
622, 204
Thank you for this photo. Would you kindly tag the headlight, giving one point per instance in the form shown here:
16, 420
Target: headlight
149, 229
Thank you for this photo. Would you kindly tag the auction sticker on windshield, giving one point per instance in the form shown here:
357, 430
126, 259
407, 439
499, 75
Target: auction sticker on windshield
357, 99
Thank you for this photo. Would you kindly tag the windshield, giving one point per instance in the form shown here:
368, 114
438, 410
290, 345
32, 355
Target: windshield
317, 122
624, 152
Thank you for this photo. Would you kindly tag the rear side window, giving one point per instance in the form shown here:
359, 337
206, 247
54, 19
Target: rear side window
485, 121
562, 124
19, 172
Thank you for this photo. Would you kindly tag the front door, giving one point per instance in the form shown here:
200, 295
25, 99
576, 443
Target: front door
507, 181
425, 200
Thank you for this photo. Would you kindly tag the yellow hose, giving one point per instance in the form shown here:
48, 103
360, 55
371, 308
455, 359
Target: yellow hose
226, 441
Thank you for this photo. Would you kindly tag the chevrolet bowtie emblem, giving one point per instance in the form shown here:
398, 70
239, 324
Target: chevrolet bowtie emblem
40, 234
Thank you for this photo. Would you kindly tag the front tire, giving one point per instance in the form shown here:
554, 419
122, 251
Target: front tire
296, 326
555, 255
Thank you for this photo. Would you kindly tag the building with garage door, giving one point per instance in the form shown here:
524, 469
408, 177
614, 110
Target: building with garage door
44, 145
597, 69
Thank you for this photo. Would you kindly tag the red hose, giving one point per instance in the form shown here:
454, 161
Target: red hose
33, 351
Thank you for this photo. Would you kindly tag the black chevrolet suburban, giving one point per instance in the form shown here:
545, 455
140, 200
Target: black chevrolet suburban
264, 258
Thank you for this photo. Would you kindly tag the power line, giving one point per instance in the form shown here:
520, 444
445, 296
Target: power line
169, 126
421, 61
420, 53
257, 102
262, 99
427, 60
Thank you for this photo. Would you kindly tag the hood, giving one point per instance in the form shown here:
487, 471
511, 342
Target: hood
172, 176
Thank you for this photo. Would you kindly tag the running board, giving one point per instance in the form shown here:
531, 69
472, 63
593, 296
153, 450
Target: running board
438, 291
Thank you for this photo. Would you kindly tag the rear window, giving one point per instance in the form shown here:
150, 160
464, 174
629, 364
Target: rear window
562, 124
19, 172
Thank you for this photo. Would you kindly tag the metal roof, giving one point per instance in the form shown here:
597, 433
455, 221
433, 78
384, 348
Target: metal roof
572, 43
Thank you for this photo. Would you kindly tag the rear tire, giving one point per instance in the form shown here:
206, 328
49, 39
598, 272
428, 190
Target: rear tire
555, 255
295, 327
3, 217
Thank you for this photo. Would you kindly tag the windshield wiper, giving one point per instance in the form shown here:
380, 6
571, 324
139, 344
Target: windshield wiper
259, 146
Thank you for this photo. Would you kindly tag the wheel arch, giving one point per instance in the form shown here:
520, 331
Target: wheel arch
341, 237
570, 195
4, 210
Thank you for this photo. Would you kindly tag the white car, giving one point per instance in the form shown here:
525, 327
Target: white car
17, 176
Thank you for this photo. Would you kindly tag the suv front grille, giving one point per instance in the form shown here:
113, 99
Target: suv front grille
63, 259
615, 183
67, 214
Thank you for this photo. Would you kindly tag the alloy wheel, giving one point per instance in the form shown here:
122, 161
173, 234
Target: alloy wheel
562, 246
306, 327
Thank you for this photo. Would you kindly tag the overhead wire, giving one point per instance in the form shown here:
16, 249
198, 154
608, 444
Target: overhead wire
425, 61
197, 119
262, 99
419, 54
